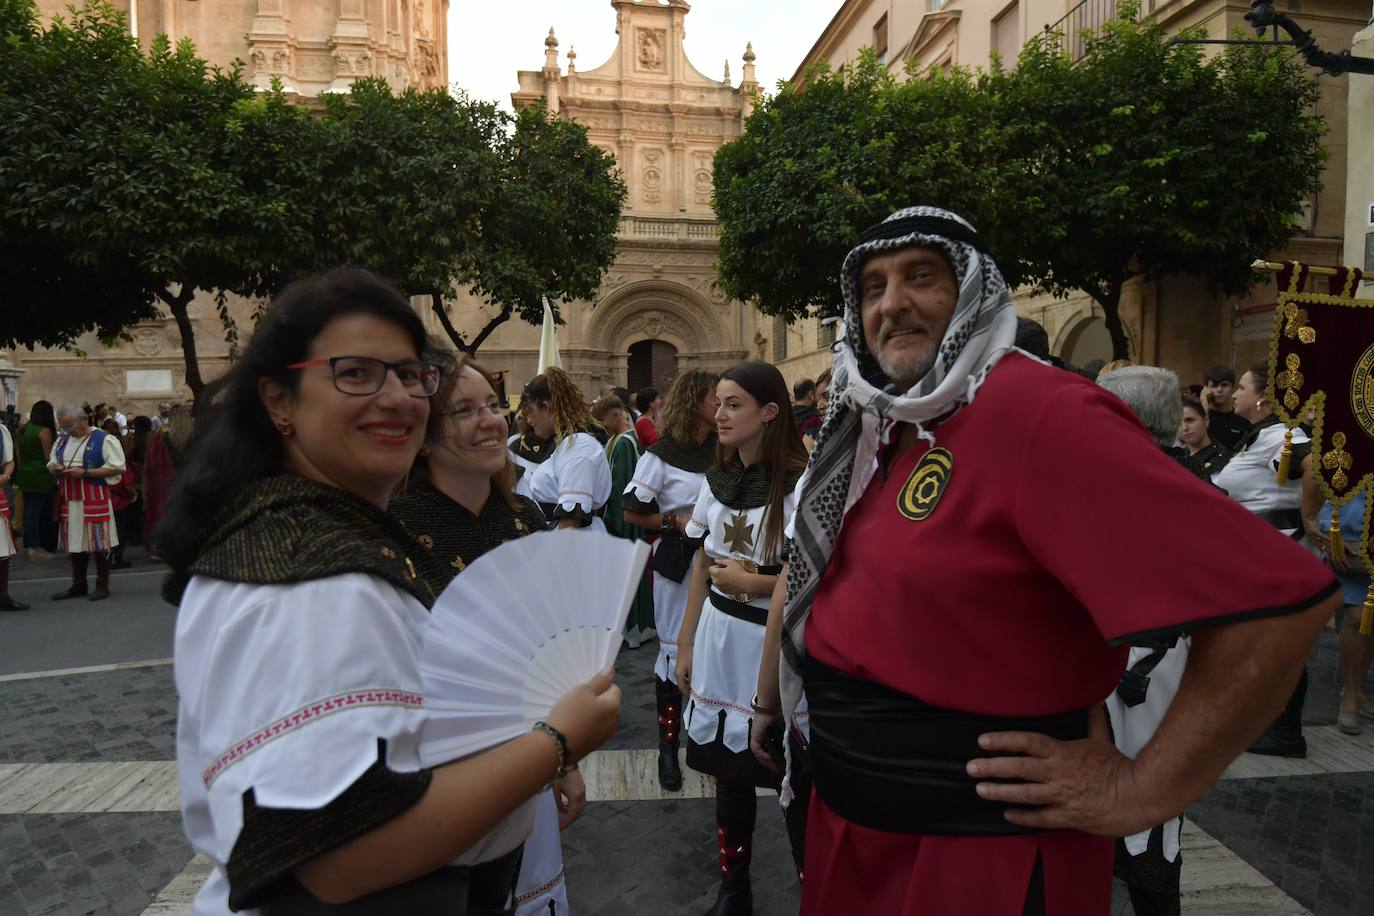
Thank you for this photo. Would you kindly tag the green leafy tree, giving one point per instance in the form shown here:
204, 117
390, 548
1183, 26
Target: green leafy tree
64, 93
1141, 159
817, 165
1153, 159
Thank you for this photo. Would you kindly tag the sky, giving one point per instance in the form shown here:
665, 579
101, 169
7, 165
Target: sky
489, 40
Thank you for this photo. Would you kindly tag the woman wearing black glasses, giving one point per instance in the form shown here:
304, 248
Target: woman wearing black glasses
302, 604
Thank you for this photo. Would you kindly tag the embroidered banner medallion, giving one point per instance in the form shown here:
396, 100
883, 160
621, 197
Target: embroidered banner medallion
921, 492
1321, 374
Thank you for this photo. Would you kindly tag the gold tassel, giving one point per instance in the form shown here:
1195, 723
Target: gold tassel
1367, 618
1337, 545
1286, 458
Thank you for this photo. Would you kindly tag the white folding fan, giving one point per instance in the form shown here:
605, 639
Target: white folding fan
523, 624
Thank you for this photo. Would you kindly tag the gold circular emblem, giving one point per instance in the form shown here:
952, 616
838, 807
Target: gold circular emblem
922, 490
425, 540
1362, 391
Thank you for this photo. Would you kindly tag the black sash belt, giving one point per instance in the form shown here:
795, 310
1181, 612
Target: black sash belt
453, 890
1285, 519
748, 612
887, 761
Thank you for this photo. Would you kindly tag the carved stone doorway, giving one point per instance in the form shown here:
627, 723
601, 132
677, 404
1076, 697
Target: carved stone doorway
653, 364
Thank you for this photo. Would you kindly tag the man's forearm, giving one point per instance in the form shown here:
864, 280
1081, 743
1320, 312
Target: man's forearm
1237, 679
772, 643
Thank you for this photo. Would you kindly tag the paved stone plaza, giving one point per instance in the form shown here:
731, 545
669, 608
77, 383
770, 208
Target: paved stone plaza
88, 796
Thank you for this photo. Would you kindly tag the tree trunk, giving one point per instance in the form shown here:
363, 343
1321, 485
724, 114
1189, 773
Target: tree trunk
1110, 300
487, 331
436, 302
177, 304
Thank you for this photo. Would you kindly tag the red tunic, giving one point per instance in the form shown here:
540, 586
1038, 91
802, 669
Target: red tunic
646, 432
1062, 527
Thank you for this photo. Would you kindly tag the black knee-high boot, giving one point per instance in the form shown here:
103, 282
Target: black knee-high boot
6, 602
669, 726
102, 576
736, 809
80, 562
1284, 737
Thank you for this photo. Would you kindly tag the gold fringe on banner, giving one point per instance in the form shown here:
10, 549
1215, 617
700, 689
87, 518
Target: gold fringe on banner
1286, 457
1337, 545
1367, 618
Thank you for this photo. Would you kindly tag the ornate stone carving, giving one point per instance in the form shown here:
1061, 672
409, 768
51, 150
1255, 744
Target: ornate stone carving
653, 125
422, 19
652, 176
429, 59
701, 176
709, 287
148, 341
652, 43
652, 323
353, 63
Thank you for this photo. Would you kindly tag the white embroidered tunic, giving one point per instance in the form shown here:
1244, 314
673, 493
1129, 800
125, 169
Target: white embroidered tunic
726, 650
575, 477
675, 490
285, 690
78, 534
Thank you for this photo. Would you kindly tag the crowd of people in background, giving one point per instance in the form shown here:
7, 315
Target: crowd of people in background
87, 481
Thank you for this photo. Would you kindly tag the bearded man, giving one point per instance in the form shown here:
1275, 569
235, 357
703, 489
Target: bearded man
957, 615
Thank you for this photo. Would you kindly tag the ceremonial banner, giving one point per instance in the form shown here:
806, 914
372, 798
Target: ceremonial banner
1321, 373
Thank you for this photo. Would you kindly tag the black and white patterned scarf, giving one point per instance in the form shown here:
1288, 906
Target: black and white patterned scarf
864, 407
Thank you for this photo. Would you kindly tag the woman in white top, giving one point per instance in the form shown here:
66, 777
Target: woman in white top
302, 604
1251, 479
740, 515
574, 482
86, 462
660, 498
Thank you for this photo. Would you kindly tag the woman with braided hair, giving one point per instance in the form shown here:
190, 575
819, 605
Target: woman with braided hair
574, 482
660, 497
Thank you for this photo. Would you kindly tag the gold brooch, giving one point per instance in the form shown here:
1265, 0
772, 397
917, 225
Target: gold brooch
388, 553
425, 540
458, 564
1297, 325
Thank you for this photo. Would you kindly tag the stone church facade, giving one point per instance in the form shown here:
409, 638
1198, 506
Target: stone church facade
312, 47
659, 310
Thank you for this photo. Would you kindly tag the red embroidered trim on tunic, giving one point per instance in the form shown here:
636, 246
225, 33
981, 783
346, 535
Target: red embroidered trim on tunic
725, 704
541, 889
292, 721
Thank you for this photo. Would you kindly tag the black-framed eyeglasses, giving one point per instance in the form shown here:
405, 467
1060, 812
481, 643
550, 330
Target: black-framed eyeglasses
364, 375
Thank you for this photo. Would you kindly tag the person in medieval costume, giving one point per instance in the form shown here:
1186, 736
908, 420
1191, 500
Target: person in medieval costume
302, 610
740, 516
7, 546
956, 620
459, 502
573, 483
660, 497
86, 462
622, 454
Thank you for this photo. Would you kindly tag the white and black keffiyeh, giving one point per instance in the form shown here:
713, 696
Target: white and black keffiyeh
864, 406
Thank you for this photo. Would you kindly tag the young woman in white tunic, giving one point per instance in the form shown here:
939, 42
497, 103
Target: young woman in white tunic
740, 514
86, 462
660, 497
574, 482
459, 502
7, 548
1251, 479
302, 605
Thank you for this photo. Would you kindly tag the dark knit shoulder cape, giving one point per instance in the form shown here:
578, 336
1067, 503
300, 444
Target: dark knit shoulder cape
739, 487
289, 529
694, 460
454, 534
